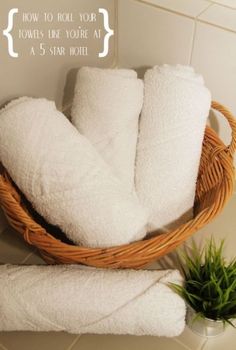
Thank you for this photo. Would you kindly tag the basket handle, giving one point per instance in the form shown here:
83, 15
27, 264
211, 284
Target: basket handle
232, 123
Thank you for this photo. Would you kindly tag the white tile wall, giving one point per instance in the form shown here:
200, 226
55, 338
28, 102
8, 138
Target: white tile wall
225, 341
222, 227
95, 342
36, 340
190, 8
220, 16
149, 35
13, 249
229, 3
190, 340
214, 55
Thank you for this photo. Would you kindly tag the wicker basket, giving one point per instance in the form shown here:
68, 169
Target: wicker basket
214, 187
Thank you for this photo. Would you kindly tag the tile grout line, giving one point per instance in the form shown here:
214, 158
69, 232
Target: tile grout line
2, 347
27, 257
187, 16
203, 11
216, 26
182, 344
212, 2
194, 32
74, 342
164, 9
222, 5
204, 343
193, 41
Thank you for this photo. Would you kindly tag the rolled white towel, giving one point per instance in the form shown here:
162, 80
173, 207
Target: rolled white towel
64, 177
67, 298
173, 120
106, 108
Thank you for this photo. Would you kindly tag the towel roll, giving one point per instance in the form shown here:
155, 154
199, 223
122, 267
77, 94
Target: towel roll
64, 177
106, 108
67, 298
173, 120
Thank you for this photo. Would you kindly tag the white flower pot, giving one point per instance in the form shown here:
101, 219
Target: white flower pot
204, 327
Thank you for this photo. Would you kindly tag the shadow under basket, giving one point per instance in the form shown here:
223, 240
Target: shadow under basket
214, 187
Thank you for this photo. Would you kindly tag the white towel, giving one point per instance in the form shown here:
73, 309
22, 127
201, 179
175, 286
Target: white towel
106, 108
67, 298
173, 119
64, 177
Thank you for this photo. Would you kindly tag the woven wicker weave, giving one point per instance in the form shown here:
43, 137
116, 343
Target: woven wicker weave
214, 187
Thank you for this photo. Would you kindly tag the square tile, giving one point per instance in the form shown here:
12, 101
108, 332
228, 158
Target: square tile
102, 342
214, 56
190, 340
229, 3
220, 16
13, 249
190, 8
34, 259
227, 340
2, 347
36, 340
222, 227
169, 261
150, 36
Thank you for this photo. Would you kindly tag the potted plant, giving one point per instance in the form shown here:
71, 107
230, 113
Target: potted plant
209, 289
